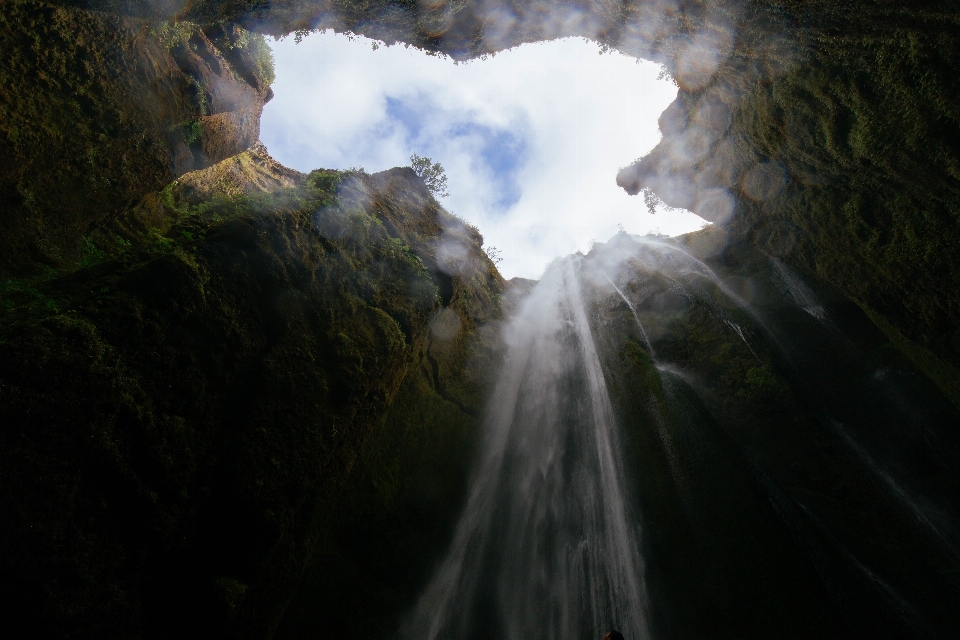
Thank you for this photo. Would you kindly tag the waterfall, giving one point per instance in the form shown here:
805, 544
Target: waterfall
545, 547
643, 332
801, 293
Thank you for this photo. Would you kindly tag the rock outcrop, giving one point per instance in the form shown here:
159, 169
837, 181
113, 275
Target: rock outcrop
181, 419
97, 110
764, 416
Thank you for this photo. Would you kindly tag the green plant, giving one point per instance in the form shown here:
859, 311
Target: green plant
258, 52
494, 254
173, 33
192, 131
324, 180
90, 253
432, 175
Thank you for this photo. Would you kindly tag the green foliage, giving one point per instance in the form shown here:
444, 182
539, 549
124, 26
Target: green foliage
20, 298
174, 33
431, 174
192, 131
494, 254
762, 386
90, 254
262, 57
324, 180
246, 48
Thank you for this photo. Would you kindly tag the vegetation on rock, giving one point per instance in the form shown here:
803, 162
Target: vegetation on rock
432, 175
98, 110
833, 131
216, 384
222, 384
742, 420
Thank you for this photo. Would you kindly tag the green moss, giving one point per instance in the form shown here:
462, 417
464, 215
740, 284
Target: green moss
248, 51
222, 374
650, 379
942, 373
192, 131
867, 130
99, 110
173, 33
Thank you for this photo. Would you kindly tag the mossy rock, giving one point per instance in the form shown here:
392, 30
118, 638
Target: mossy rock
97, 111
215, 387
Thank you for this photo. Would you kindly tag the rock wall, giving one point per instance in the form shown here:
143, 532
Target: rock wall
97, 110
780, 493
825, 136
181, 418
833, 143
222, 383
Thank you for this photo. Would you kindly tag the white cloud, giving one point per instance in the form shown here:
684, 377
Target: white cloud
531, 139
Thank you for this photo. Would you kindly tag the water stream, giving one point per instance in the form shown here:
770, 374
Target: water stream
546, 547
720, 406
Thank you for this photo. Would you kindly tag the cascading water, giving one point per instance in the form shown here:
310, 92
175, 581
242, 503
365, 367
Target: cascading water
545, 547
761, 519
801, 293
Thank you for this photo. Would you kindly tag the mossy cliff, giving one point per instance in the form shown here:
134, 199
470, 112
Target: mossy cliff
833, 142
180, 419
780, 494
97, 110
823, 135
826, 136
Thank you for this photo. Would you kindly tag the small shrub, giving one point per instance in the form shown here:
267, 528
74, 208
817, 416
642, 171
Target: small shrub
90, 254
431, 174
324, 180
192, 131
174, 33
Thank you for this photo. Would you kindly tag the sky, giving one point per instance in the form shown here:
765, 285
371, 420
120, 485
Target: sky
531, 139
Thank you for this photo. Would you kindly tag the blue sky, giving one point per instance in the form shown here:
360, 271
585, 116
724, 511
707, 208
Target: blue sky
531, 139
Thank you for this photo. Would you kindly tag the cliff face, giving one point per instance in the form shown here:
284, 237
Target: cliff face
97, 110
764, 419
825, 136
180, 419
835, 146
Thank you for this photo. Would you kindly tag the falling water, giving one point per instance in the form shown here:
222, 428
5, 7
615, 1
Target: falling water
914, 504
545, 547
800, 292
643, 331
701, 268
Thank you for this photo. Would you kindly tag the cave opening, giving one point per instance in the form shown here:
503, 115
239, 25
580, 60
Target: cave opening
531, 138
239, 400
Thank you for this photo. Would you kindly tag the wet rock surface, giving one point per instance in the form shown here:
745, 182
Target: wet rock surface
823, 136
795, 474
